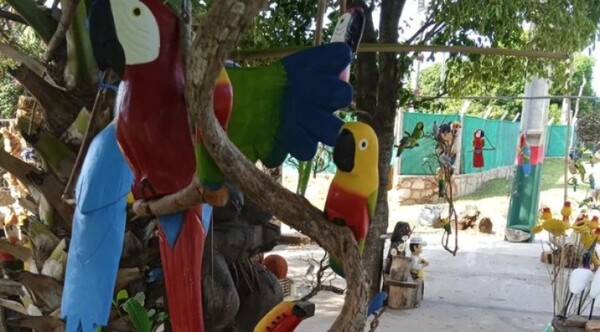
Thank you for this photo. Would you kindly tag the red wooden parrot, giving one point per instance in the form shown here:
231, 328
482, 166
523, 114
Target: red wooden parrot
478, 144
139, 39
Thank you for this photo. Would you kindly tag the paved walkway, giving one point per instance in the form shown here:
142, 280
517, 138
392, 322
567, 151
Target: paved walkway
491, 285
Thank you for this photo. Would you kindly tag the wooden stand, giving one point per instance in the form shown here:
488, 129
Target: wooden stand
404, 295
576, 324
403, 291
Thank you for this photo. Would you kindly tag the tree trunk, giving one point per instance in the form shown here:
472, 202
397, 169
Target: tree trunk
377, 95
217, 35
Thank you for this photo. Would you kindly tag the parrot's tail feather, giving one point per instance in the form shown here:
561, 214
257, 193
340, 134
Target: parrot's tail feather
336, 265
182, 265
77, 324
376, 303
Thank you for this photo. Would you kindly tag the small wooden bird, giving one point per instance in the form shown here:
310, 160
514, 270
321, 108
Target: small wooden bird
410, 140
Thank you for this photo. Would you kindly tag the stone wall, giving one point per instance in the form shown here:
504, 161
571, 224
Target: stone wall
419, 189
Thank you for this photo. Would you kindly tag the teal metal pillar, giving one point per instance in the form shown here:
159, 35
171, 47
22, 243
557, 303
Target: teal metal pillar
523, 207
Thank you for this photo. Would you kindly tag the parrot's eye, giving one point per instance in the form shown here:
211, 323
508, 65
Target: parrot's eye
137, 11
363, 144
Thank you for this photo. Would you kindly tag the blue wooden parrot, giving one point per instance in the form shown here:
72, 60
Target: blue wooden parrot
97, 238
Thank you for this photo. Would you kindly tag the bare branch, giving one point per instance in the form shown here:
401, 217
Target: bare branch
68, 12
320, 277
375, 322
429, 22
436, 30
321, 6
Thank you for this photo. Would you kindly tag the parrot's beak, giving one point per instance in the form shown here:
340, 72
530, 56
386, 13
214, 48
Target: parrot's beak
106, 47
344, 151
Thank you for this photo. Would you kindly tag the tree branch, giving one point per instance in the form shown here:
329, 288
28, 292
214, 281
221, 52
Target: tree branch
429, 22
68, 12
181, 200
217, 35
342, 6
436, 30
20, 57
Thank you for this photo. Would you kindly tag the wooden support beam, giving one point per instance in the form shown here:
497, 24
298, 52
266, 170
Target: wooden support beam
276, 53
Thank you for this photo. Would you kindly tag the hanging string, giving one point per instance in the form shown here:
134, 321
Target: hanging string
89, 132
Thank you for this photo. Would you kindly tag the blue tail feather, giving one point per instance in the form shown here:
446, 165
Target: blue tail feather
376, 303
171, 225
207, 211
98, 232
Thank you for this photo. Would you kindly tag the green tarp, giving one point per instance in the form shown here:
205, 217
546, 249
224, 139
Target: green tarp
500, 143
557, 136
413, 159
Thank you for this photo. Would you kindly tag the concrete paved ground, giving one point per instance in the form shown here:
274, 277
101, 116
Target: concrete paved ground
491, 285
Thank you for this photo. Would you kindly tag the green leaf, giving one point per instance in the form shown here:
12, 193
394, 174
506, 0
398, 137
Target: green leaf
138, 315
161, 317
122, 295
39, 19
151, 313
140, 297
81, 66
57, 156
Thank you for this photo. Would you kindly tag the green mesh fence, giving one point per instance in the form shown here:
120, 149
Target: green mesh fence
412, 159
500, 143
557, 136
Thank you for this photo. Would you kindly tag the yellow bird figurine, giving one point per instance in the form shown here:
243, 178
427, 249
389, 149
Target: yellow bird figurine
593, 224
352, 195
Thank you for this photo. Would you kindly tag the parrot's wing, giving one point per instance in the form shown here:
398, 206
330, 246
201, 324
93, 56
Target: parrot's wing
105, 176
98, 231
372, 203
287, 108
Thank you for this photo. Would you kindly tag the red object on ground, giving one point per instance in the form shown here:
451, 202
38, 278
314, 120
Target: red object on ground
277, 265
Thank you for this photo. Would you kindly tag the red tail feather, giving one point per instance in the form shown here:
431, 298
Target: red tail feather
182, 266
